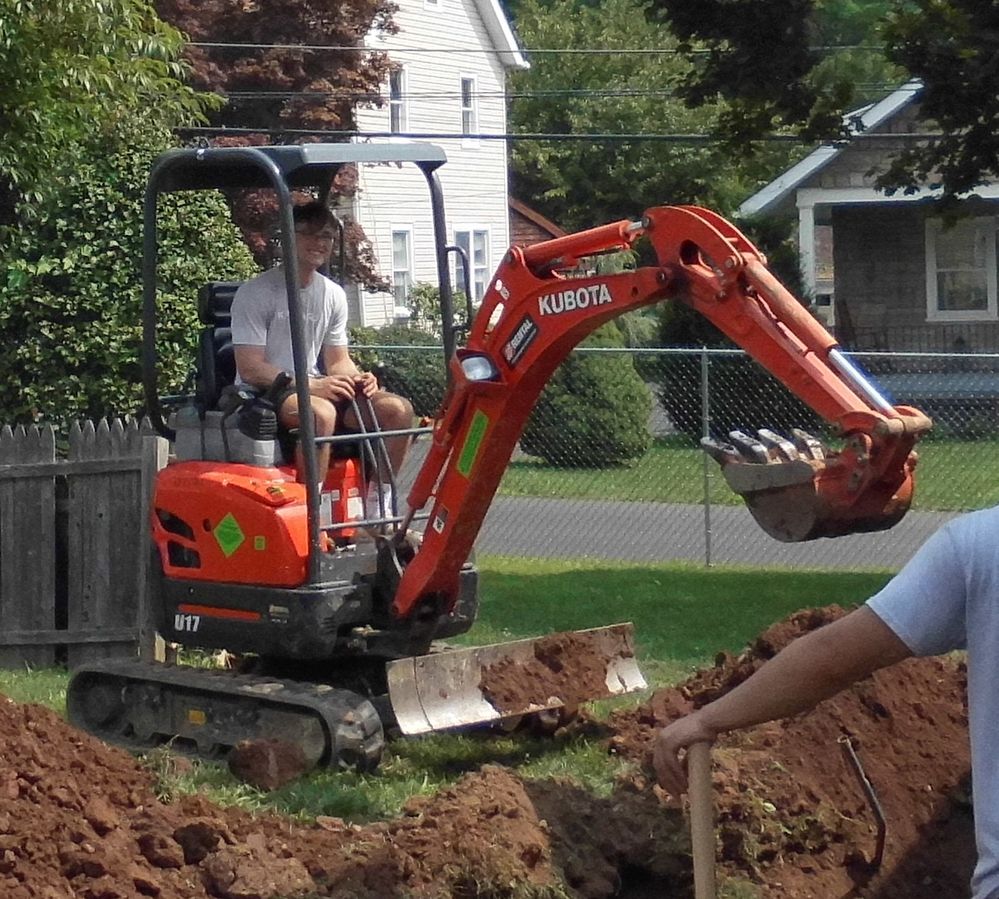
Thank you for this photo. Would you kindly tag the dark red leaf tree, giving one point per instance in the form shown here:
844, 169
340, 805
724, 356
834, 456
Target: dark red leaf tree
289, 66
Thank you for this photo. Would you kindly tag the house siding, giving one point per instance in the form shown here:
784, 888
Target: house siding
880, 284
879, 264
474, 180
861, 163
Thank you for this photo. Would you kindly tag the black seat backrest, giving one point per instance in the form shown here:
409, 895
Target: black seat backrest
216, 355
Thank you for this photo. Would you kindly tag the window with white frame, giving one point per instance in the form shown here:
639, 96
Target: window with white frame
469, 104
961, 270
475, 243
397, 101
402, 265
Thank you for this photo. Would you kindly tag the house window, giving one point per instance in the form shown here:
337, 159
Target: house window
402, 266
961, 270
397, 101
469, 112
476, 246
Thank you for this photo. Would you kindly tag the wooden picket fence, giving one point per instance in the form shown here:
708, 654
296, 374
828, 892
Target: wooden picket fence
73, 543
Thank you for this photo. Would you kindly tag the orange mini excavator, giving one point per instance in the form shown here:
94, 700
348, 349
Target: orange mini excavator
339, 631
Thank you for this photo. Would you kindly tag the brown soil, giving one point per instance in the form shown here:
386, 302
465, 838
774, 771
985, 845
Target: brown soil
570, 668
80, 819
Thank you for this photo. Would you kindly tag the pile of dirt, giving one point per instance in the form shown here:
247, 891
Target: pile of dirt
79, 819
568, 668
792, 812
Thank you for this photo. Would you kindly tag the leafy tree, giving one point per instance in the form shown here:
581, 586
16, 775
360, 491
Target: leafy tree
277, 87
273, 87
777, 62
949, 44
71, 71
70, 288
580, 184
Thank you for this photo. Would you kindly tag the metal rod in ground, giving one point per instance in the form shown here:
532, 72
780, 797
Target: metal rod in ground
702, 819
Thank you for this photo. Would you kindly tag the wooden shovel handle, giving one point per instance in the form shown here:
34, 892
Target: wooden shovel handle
702, 823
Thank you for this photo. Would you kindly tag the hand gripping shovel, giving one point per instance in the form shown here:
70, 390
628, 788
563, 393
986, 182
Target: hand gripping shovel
461, 687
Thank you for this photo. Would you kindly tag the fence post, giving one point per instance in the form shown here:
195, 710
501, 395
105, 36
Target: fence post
706, 432
154, 457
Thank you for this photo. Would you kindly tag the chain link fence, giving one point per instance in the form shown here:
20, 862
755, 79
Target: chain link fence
670, 501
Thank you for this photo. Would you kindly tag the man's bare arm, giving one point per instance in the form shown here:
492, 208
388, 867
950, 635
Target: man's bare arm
253, 367
812, 668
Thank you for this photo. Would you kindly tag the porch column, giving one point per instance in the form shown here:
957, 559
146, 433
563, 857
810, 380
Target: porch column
806, 245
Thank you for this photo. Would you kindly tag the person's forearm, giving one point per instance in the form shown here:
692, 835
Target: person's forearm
810, 669
260, 374
343, 367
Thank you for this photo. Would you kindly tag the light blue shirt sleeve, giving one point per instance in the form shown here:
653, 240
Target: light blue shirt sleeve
925, 604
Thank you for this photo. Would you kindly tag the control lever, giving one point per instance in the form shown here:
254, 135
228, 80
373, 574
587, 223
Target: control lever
258, 420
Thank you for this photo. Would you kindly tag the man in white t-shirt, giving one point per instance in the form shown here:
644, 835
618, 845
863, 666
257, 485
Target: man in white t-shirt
262, 339
945, 598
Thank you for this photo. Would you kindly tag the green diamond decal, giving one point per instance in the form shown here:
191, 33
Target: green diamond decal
229, 535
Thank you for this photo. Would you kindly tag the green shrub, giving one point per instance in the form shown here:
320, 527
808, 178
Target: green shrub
71, 292
417, 374
594, 411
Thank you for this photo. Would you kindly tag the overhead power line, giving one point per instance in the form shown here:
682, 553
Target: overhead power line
582, 93
566, 51
451, 135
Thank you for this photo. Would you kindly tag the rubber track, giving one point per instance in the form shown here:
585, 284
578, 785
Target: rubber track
353, 730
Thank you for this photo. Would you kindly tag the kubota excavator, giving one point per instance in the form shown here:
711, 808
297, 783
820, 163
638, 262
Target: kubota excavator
342, 629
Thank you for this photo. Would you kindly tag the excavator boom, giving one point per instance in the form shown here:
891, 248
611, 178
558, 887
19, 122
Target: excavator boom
533, 315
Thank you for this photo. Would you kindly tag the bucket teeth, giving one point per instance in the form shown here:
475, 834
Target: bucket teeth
780, 448
723, 453
750, 449
809, 446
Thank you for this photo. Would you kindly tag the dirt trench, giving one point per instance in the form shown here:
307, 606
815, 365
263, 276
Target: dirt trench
80, 819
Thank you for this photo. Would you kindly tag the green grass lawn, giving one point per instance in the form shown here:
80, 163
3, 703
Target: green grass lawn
683, 615
952, 475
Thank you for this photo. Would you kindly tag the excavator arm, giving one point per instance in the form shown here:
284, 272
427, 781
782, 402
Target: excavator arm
533, 315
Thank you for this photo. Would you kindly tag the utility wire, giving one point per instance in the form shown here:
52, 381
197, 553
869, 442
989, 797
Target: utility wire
451, 135
584, 93
566, 51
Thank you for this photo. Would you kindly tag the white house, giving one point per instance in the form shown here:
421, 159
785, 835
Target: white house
453, 58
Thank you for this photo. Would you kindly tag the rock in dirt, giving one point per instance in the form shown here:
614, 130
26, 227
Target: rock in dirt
268, 764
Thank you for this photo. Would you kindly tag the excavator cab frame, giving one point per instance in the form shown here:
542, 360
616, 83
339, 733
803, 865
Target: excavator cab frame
282, 169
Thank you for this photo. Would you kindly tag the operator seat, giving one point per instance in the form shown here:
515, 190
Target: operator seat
216, 354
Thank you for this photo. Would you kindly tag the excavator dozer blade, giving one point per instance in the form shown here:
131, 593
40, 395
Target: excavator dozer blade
482, 684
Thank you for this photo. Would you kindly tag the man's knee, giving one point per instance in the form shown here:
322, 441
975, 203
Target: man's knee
324, 413
394, 412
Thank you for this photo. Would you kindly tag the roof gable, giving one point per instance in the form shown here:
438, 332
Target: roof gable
857, 122
501, 33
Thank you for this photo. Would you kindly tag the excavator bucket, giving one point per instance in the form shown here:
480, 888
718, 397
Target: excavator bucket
797, 490
461, 687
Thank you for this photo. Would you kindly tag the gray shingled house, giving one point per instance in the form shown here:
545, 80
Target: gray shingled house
885, 272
